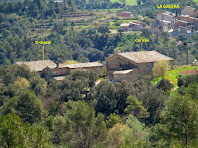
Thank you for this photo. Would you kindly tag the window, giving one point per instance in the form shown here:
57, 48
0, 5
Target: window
54, 72
63, 71
48, 73
98, 69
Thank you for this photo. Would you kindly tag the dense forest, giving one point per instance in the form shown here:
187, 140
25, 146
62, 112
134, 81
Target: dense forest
77, 113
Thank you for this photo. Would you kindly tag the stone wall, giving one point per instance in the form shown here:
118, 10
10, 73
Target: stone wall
129, 76
117, 63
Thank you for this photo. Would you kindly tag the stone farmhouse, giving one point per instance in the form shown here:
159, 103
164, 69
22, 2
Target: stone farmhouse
124, 14
189, 11
49, 69
164, 22
129, 65
131, 26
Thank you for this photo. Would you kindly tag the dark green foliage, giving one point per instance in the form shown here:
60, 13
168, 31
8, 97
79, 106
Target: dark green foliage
185, 81
179, 122
112, 120
26, 105
110, 97
15, 133
165, 85
146, 32
77, 85
10, 73
135, 108
79, 128
154, 101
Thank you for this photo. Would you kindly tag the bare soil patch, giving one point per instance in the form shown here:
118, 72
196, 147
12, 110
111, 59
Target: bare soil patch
189, 72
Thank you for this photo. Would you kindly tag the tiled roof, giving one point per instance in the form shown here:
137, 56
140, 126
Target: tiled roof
82, 65
144, 56
38, 65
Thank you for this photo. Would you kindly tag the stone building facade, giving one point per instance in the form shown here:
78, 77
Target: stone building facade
49, 69
129, 65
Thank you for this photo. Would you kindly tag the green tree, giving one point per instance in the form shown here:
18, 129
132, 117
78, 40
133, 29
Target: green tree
58, 130
15, 133
26, 105
165, 85
38, 84
135, 107
83, 129
21, 83
76, 86
10, 73
138, 2
179, 121
160, 68
146, 32
113, 119
154, 100
137, 135
133, 134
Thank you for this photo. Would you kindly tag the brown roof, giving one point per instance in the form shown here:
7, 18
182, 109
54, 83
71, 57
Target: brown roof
82, 65
144, 56
187, 18
38, 65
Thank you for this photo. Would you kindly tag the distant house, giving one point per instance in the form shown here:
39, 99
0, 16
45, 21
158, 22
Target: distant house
136, 25
57, 73
180, 23
189, 11
49, 69
131, 26
129, 65
164, 22
191, 20
38, 66
124, 14
161, 25
165, 16
126, 27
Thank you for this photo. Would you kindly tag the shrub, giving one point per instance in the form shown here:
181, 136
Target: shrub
165, 85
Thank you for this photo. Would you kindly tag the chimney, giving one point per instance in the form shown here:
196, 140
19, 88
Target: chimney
57, 64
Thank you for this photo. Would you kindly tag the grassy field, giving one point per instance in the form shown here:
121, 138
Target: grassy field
173, 74
196, 1
128, 2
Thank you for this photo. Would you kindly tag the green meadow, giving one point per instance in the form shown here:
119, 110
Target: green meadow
173, 74
128, 2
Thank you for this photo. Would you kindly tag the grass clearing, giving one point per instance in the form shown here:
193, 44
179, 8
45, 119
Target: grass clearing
173, 74
128, 2
196, 1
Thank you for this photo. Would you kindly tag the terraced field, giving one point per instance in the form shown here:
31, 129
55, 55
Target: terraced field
173, 74
128, 2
